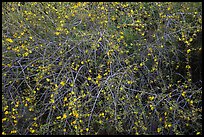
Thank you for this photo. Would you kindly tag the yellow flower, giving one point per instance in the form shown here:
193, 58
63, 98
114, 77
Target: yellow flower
191, 39
72, 92
183, 93
9, 40
25, 54
28, 99
188, 66
30, 109
4, 119
81, 130
5, 108
96, 81
34, 91
8, 48
113, 18
71, 84
58, 117
89, 78
141, 64
158, 130
100, 121
13, 131
47, 79
52, 101
189, 50
35, 124
74, 122
169, 125
62, 83
15, 122
121, 37
64, 130
87, 129
108, 53
52, 95
151, 107
76, 115
136, 96
75, 100
75, 126
32, 130
160, 119
129, 82
99, 76
198, 133
188, 118
64, 116
101, 114
151, 98
65, 98
57, 33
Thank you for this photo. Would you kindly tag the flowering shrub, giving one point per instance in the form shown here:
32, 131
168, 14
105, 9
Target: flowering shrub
101, 68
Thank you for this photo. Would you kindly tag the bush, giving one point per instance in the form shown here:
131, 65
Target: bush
101, 68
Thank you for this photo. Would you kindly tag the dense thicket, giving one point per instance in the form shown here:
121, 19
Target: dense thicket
101, 68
